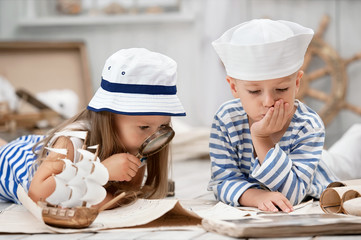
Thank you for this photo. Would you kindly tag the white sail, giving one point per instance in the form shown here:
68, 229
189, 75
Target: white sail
82, 181
69, 133
58, 150
99, 173
87, 155
85, 165
77, 192
93, 147
69, 170
60, 194
79, 178
95, 193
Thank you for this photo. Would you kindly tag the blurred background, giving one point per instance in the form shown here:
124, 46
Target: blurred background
183, 30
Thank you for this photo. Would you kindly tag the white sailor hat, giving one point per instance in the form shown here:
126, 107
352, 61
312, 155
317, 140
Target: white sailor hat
263, 49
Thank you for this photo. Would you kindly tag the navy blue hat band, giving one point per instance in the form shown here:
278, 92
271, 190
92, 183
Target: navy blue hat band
138, 88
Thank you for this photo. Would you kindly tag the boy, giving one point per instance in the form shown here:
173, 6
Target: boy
265, 145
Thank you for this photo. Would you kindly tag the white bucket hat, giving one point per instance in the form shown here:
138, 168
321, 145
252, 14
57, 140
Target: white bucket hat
263, 49
137, 81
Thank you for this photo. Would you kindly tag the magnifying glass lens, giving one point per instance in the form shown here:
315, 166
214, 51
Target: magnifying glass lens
156, 142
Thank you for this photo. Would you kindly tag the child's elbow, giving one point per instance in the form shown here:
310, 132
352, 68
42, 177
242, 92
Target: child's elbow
34, 194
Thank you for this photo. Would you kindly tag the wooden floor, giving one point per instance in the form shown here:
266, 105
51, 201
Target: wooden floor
191, 178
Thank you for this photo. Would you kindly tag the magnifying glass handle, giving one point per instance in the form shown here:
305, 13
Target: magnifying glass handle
142, 159
143, 162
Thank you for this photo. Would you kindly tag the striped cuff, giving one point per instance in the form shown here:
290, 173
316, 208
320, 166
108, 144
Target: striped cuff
274, 169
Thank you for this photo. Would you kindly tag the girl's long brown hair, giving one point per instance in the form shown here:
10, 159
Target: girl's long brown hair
102, 132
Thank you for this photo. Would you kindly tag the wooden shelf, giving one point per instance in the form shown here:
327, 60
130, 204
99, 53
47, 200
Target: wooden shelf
103, 19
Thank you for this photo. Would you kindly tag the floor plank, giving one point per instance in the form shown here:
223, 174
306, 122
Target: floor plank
214, 236
118, 235
174, 235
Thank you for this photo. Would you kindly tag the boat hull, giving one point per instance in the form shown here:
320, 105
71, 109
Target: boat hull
78, 217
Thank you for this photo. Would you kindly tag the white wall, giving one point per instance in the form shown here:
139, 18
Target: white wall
201, 85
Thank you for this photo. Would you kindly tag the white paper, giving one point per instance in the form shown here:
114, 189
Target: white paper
223, 211
28, 218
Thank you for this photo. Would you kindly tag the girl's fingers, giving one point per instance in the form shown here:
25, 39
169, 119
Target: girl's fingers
134, 160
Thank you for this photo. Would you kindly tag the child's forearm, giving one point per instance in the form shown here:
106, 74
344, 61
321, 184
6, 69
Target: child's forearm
43, 183
262, 145
41, 189
249, 197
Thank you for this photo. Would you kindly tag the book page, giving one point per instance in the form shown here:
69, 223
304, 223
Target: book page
144, 211
223, 211
302, 208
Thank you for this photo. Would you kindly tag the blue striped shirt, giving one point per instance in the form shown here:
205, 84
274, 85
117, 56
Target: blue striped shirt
293, 167
16, 161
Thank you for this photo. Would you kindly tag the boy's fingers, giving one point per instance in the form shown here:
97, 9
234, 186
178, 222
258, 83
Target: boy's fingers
289, 205
281, 111
267, 119
270, 206
285, 116
273, 121
283, 206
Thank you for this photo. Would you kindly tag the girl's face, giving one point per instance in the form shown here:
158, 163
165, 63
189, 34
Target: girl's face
258, 96
133, 130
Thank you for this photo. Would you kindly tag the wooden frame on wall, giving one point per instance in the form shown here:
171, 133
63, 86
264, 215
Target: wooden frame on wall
43, 65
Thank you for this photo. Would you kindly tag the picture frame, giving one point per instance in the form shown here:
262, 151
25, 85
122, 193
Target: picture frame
39, 66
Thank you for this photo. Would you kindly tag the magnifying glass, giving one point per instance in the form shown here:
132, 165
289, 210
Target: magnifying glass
155, 142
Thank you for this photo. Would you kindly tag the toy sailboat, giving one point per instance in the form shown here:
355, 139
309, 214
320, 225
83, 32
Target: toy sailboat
78, 187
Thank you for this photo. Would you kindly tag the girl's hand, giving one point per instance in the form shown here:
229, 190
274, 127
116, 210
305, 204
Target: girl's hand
274, 120
122, 166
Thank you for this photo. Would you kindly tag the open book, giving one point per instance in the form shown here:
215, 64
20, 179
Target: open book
285, 225
338, 197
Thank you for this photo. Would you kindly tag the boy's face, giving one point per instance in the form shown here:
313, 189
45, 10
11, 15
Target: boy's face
258, 96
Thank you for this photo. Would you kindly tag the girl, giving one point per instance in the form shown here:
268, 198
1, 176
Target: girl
136, 98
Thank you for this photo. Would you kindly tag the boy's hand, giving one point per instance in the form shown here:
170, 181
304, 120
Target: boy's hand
274, 120
265, 200
273, 201
122, 166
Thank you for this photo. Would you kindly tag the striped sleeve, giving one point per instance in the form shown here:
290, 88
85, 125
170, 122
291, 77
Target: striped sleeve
292, 174
227, 182
16, 161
